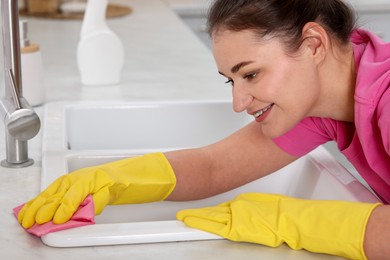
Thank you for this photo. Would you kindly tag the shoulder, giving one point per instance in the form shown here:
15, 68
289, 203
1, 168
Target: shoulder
312, 132
372, 62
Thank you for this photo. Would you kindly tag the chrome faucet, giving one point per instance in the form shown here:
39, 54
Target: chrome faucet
20, 120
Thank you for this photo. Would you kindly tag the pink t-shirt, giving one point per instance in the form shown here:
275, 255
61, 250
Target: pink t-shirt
366, 142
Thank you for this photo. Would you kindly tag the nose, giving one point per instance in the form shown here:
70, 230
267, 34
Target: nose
241, 98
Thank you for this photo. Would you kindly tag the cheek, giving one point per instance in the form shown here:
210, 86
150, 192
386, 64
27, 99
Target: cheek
294, 94
296, 84
308, 89
279, 83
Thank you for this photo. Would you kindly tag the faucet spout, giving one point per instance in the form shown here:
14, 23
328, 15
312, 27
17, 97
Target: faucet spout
21, 121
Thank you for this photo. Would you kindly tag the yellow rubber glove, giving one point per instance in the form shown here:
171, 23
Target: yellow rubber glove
140, 179
332, 227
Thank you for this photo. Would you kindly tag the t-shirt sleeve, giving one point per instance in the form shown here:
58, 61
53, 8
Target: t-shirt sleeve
304, 137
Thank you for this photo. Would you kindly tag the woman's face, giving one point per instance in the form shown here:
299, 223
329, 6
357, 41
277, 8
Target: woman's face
278, 89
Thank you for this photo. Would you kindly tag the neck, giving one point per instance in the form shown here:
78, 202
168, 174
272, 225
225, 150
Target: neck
338, 85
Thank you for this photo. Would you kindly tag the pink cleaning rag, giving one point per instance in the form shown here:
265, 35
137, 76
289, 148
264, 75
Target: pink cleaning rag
85, 215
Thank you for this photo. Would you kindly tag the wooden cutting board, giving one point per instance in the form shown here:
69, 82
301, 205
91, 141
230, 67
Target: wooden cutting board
113, 10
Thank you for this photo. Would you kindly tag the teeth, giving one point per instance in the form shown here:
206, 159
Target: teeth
258, 113
262, 111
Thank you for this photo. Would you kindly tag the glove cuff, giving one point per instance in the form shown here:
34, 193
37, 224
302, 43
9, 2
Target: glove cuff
142, 179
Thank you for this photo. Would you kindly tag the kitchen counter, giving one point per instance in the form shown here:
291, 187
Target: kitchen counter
164, 61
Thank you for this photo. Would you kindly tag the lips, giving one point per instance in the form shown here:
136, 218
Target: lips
262, 111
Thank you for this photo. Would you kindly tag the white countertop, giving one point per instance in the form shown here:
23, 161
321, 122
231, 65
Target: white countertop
164, 61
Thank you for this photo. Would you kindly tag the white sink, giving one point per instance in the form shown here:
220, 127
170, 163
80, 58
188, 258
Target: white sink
156, 126
99, 133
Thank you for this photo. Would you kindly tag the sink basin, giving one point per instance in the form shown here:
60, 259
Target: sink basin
81, 135
156, 126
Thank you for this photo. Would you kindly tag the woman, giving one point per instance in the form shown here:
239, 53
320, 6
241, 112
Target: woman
307, 77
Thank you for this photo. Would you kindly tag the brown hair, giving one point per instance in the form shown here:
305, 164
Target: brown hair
282, 18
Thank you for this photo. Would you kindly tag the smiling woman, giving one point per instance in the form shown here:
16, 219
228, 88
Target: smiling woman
308, 77
308, 81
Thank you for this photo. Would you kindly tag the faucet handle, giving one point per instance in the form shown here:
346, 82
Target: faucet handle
23, 123
14, 92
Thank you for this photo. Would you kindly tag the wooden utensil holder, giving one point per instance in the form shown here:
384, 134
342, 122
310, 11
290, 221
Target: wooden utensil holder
42, 6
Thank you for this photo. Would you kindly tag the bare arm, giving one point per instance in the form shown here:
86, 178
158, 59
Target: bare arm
377, 237
236, 160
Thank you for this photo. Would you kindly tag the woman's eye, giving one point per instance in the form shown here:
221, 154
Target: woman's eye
250, 75
229, 81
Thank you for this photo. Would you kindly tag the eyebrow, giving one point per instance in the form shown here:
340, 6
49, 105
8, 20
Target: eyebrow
238, 66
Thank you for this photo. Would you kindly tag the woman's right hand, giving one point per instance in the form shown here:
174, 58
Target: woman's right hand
133, 180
